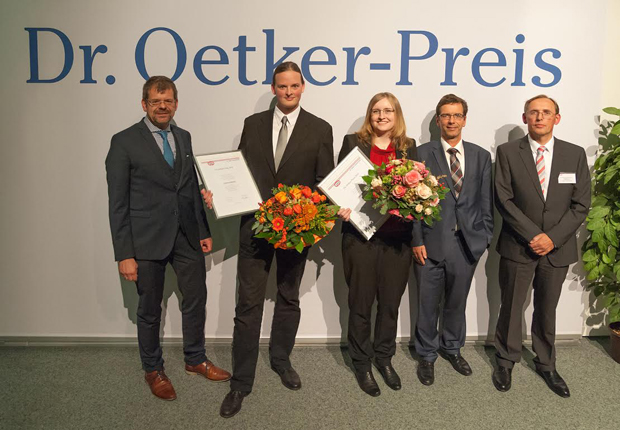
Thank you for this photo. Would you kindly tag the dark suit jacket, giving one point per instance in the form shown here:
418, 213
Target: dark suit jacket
519, 199
307, 159
351, 141
473, 211
148, 200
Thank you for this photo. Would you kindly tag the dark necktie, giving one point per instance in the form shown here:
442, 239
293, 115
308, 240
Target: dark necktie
168, 155
282, 139
455, 170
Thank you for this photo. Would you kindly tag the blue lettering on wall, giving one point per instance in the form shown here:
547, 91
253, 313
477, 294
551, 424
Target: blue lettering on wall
405, 52
212, 65
543, 65
33, 43
181, 53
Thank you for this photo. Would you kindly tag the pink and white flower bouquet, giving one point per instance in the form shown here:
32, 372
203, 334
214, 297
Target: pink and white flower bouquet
406, 189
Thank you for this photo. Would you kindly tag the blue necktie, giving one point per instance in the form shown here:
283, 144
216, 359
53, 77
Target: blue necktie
168, 155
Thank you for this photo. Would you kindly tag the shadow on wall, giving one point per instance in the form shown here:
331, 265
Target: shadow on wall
504, 134
430, 130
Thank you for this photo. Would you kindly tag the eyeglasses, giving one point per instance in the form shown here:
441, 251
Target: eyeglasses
447, 116
155, 103
377, 112
545, 113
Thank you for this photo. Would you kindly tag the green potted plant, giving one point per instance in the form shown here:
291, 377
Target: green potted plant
601, 253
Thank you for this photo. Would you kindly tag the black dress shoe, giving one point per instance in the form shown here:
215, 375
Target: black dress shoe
290, 379
502, 378
367, 383
232, 403
555, 382
426, 372
459, 363
390, 376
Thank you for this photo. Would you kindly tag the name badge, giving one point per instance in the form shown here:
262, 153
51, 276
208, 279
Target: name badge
567, 178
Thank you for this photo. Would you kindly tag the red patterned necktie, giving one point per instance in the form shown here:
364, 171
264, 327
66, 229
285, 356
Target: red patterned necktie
456, 172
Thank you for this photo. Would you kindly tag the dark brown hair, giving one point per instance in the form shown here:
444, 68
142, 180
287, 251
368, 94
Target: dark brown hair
285, 67
161, 84
450, 99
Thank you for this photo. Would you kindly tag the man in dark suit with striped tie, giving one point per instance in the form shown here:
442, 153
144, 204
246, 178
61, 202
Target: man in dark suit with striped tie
542, 191
447, 253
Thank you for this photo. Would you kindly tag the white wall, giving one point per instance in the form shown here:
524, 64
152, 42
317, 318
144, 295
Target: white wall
58, 273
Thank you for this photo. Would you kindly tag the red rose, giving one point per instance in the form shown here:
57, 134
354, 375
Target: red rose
316, 198
307, 192
389, 168
297, 209
288, 211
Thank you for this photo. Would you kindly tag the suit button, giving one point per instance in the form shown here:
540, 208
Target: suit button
176, 212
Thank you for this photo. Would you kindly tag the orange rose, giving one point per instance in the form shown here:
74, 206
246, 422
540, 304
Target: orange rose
297, 209
310, 210
323, 198
288, 211
262, 220
296, 193
278, 224
306, 191
281, 197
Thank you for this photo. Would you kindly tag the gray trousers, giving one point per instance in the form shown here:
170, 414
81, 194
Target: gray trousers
514, 281
450, 278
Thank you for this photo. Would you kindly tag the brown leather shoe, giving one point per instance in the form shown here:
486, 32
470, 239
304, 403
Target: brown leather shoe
209, 371
160, 385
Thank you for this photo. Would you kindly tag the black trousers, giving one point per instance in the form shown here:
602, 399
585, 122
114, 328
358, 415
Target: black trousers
189, 266
375, 269
450, 278
514, 281
254, 263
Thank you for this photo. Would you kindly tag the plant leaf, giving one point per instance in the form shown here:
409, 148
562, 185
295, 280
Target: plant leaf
612, 111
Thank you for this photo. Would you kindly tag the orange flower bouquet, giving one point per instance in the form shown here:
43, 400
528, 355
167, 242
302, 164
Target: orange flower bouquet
295, 217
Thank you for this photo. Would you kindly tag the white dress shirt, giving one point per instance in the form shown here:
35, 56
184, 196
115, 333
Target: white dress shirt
460, 155
277, 125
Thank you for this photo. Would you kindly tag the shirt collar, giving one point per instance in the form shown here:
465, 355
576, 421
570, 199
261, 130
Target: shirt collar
152, 127
291, 117
459, 146
534, 145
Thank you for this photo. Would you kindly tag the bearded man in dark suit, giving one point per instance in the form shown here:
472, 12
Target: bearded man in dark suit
156, 218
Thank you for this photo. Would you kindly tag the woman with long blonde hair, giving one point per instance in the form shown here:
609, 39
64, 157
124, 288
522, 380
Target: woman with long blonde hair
377, 269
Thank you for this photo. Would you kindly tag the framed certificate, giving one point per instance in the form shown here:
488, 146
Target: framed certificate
345, 187
227, 176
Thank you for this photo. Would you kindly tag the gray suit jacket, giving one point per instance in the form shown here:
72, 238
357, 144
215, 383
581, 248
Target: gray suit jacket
148, 200
525, 213
473, 211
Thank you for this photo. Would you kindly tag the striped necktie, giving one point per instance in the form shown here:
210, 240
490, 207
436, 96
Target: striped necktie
540, 168
456, 172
